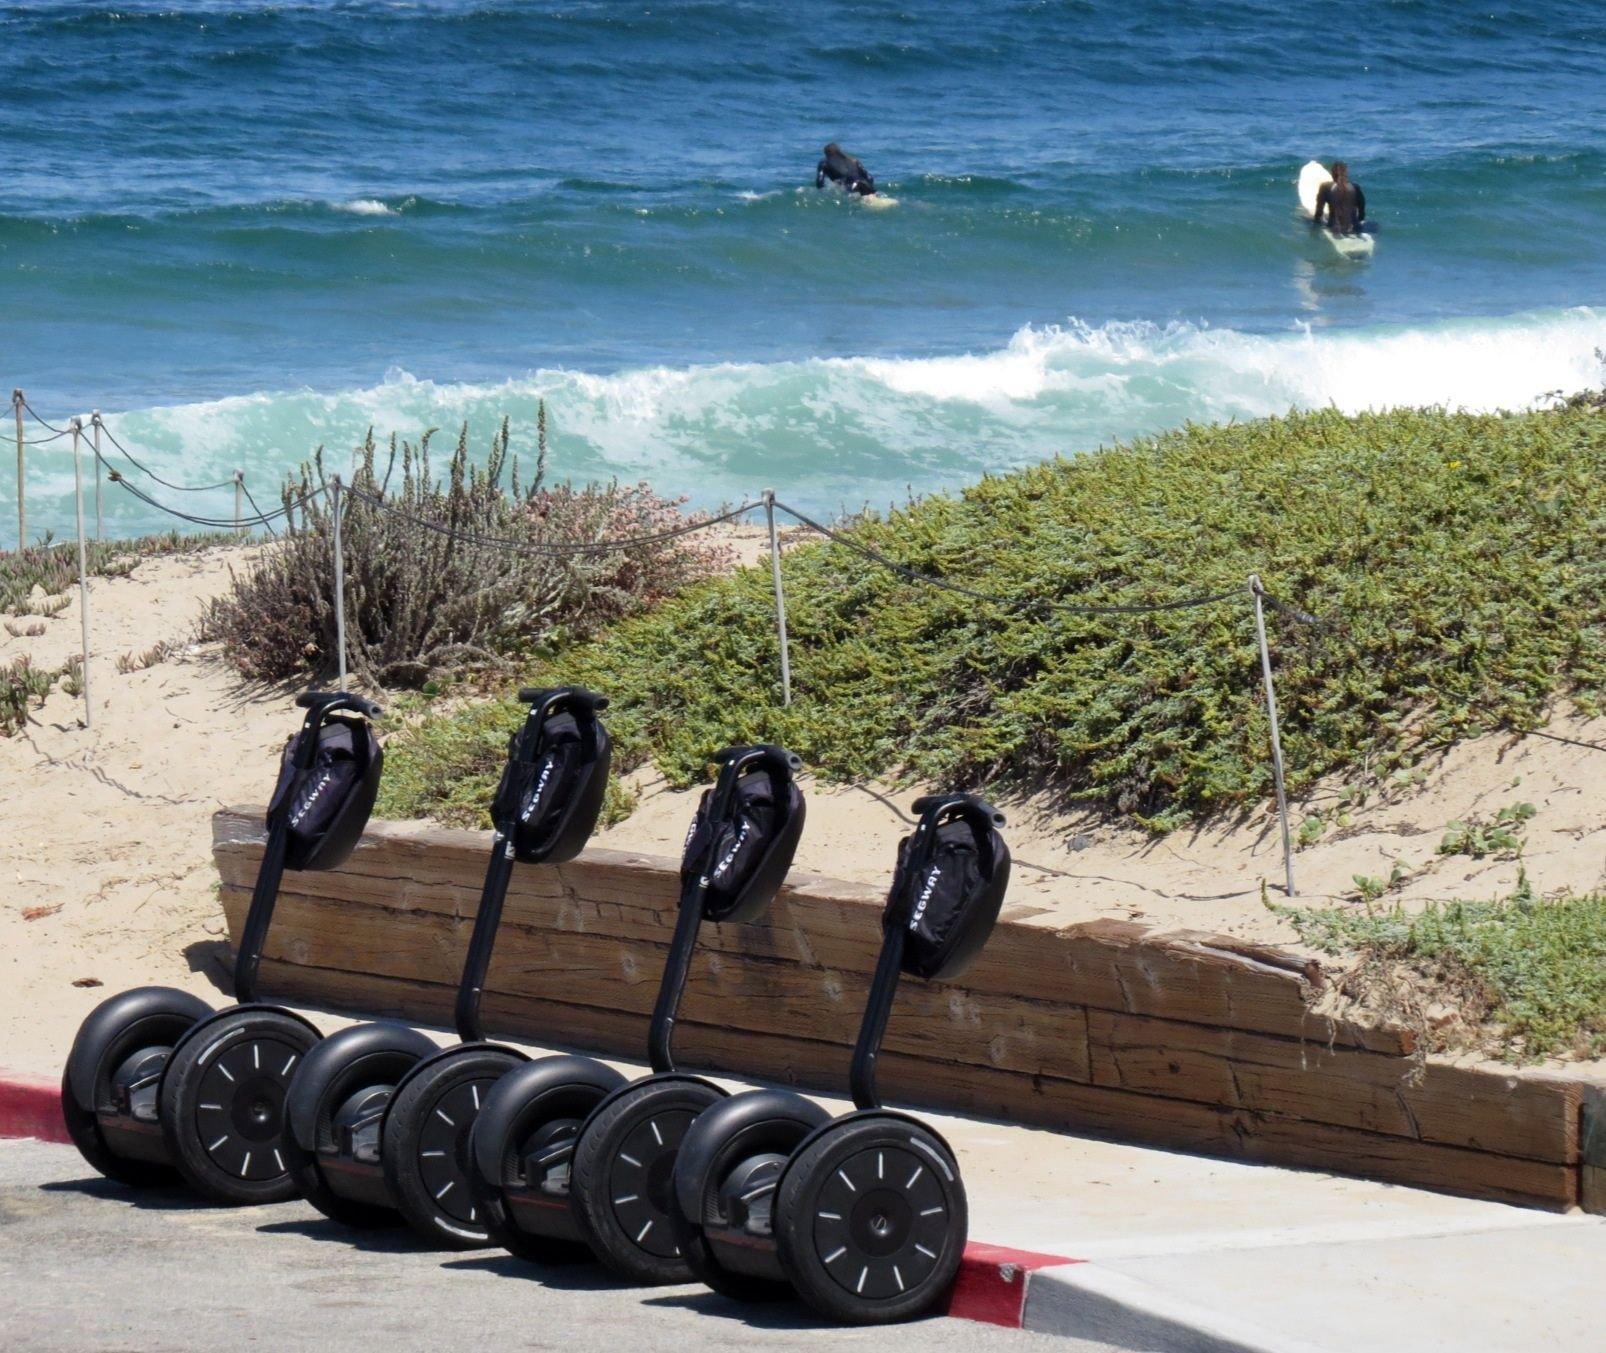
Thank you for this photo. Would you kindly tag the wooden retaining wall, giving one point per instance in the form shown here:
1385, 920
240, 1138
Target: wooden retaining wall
1181, 1039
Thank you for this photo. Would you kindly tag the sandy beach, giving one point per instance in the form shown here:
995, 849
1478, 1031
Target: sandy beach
110, 883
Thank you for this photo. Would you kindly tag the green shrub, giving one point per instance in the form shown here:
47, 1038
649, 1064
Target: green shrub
1502, 836
1455, 556
1527, 976
419, 602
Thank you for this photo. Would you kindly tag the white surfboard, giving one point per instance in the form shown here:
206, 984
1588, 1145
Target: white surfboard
1351, 246
1311, 179
879, 201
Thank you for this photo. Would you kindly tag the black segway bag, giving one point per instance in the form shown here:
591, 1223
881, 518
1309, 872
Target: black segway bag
947, 897
328, 804
553, 785
746, 853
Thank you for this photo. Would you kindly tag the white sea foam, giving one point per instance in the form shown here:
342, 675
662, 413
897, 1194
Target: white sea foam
849, 429
1476, 365
365, 206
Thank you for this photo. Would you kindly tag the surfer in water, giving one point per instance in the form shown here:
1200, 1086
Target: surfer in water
841, 168
1341, 202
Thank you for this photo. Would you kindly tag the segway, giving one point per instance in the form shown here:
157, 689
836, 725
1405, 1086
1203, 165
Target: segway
863, 1216
566, 1155
379, 1115
157, 1081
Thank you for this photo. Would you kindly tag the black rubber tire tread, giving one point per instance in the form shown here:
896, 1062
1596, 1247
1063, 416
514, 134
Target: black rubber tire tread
84, 1129
401, 1143
179, 1100
795, 1216
594, 1156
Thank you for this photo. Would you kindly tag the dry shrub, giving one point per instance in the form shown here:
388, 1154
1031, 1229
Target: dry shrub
419, 601
22, 686
138, 662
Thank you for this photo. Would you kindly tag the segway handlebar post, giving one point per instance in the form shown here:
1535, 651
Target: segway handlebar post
661, 1032
933, 809
873, 1027
470, 991
889, 967
543, 701
733, 763
319, 705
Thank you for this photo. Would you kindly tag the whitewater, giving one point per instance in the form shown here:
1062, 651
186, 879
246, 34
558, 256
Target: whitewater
833, 433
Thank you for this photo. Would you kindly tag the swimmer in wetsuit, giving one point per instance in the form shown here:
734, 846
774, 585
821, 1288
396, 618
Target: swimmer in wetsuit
1342, 202
841, 168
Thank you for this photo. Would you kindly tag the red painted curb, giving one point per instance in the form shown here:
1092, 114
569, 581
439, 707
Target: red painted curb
31, 1108
992, 1282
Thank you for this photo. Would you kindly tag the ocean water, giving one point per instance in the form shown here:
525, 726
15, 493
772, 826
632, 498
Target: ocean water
242, 230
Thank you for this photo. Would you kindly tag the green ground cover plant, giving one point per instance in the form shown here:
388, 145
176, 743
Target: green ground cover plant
1454, 558
53, 567
1525, 976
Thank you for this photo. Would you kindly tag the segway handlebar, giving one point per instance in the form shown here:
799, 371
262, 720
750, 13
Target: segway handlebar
549, 697
326, 702
971, 806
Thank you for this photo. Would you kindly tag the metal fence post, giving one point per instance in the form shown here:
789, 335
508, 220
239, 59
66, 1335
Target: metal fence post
780, 599
22, 510
83, 563
1256, 591
94, 423
239, 485
340, 582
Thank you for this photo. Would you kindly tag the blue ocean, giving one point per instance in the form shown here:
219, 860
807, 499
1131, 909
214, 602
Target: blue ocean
242, 230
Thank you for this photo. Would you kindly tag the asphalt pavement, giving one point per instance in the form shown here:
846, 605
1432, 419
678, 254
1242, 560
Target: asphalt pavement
88, 1264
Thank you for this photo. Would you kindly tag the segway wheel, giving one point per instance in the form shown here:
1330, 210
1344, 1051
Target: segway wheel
425, 1146
871, 1221
222, 1104
532, 1133
623, 1177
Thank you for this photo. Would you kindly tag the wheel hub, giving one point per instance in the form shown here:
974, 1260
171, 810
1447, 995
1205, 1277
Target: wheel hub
443, 1153
640, 1179
548, 1154
880, 1222
239, 1113
134, 1083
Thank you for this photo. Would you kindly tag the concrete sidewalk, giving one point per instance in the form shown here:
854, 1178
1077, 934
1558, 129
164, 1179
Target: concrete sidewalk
1185, 1253
1496, 1290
